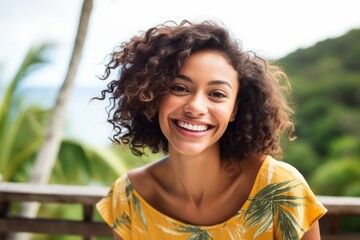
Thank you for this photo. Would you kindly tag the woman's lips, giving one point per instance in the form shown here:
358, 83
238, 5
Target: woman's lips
196, 127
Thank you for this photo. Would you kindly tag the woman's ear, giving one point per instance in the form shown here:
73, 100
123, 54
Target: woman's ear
233, 115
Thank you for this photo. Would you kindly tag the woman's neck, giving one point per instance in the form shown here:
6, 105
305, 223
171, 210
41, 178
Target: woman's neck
199, 177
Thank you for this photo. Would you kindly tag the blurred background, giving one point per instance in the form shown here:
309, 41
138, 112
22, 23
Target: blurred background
316, 42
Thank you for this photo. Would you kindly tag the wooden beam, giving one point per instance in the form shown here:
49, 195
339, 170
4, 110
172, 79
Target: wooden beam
341, 205
51, 193
340, 237
55, 227
88, 196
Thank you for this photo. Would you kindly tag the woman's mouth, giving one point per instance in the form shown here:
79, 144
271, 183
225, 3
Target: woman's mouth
192, 127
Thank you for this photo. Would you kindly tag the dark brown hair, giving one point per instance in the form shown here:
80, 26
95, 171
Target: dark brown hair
148, 63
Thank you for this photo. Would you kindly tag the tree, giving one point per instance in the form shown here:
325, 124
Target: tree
21, 129
339, 177
47, 155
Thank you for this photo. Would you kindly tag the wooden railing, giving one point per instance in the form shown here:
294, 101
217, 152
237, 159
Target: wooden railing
87, 196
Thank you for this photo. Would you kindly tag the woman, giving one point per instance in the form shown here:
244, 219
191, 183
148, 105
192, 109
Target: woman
218, 113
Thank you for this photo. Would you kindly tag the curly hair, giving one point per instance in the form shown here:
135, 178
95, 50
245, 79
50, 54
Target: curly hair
149, 62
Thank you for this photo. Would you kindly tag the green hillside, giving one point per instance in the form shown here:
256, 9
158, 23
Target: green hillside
326, 88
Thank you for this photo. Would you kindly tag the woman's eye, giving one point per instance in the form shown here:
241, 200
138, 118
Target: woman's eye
218, 94
178, 89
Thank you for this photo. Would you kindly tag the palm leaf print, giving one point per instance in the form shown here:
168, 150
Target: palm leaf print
136, 202
288, 225
269, 203
196, 232
123, 220
119, 220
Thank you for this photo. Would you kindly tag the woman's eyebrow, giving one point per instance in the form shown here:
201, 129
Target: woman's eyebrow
218, 82
183, 77
213, 82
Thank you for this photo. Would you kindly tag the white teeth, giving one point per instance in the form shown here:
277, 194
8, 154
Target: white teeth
192, 127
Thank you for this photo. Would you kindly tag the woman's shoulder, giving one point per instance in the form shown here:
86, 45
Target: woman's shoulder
283, 171
144, 179
135, 179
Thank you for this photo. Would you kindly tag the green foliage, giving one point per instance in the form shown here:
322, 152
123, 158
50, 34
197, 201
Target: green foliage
23, 140
81, 164
347, 146
132, 161
337, 178
20, 129
344, 48
302, 156
325, 80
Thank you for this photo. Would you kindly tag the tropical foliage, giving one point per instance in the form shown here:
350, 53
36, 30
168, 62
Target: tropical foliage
326, 87
22, 132
21, 129
22, 125
326, 84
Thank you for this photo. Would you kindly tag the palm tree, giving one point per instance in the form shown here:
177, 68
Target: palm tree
21, 129
47, 155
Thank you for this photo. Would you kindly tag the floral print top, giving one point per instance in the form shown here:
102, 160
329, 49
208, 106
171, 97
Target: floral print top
280, 206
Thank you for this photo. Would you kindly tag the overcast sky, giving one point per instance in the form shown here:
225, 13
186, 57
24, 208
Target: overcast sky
271, 28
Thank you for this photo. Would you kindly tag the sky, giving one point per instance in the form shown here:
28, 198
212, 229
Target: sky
271, 28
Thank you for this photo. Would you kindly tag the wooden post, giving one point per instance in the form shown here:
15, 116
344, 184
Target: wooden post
88, 214
4, 213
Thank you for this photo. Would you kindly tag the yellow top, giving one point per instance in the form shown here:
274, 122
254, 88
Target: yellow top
280, 206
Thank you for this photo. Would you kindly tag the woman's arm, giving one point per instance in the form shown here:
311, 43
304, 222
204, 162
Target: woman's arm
313, 233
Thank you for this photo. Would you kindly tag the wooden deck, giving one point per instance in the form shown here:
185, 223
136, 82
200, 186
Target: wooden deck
87, 196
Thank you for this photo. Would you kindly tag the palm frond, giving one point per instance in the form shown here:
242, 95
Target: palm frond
24, 138
9, 108
33, 59
80, 163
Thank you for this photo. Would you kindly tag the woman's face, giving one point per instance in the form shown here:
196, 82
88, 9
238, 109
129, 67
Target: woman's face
202, 100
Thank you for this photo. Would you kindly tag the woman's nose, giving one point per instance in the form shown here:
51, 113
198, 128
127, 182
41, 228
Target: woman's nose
196, 106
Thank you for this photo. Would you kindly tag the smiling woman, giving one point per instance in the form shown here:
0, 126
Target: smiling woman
202, 97
190, 91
